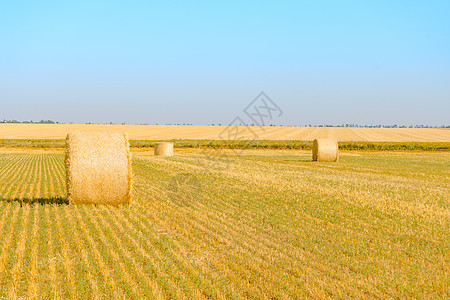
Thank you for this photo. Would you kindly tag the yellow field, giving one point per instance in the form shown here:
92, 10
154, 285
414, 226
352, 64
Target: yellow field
163, 132
260, 225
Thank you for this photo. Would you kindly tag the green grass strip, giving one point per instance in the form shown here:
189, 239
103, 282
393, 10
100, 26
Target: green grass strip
241, 144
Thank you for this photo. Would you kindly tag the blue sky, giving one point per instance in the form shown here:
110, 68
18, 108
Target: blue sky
202, 62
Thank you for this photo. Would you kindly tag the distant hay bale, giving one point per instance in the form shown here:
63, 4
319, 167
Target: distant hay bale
98, 168
325, 149
164, 149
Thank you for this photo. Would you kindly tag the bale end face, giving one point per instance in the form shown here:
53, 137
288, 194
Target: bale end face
98, 168
325, 150
164, 149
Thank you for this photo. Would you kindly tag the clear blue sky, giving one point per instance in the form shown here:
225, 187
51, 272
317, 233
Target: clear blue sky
202, 62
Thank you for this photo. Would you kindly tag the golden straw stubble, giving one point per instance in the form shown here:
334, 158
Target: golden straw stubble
325, 150
98, 168
163, 149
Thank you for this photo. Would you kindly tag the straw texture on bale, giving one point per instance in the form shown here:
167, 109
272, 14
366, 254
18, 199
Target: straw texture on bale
98, 168
164, 149
325, 149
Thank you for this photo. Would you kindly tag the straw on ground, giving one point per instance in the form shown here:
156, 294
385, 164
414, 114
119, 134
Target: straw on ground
327, 230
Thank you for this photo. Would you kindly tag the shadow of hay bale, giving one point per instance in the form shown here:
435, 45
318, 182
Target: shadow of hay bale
41, 201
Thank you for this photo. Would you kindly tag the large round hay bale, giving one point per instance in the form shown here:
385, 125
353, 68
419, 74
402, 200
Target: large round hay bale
325, 149
164, 149
98, 168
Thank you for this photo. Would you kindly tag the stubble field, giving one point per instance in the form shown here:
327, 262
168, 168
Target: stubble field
258, 224
199, 132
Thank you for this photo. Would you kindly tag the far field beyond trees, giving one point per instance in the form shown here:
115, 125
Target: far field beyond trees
230, 133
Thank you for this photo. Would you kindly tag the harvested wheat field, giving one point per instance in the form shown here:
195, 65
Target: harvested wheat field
262, 224
167, 132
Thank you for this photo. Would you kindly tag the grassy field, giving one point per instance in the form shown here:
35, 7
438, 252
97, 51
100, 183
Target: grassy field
257, 224
198, 132
260, 144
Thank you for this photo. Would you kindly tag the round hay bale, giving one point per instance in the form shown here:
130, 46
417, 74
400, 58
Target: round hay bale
164, 149
98, 168
325, 149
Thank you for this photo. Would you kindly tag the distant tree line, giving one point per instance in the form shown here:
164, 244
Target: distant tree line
219, 124
360, 126
380, 126
30, 122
